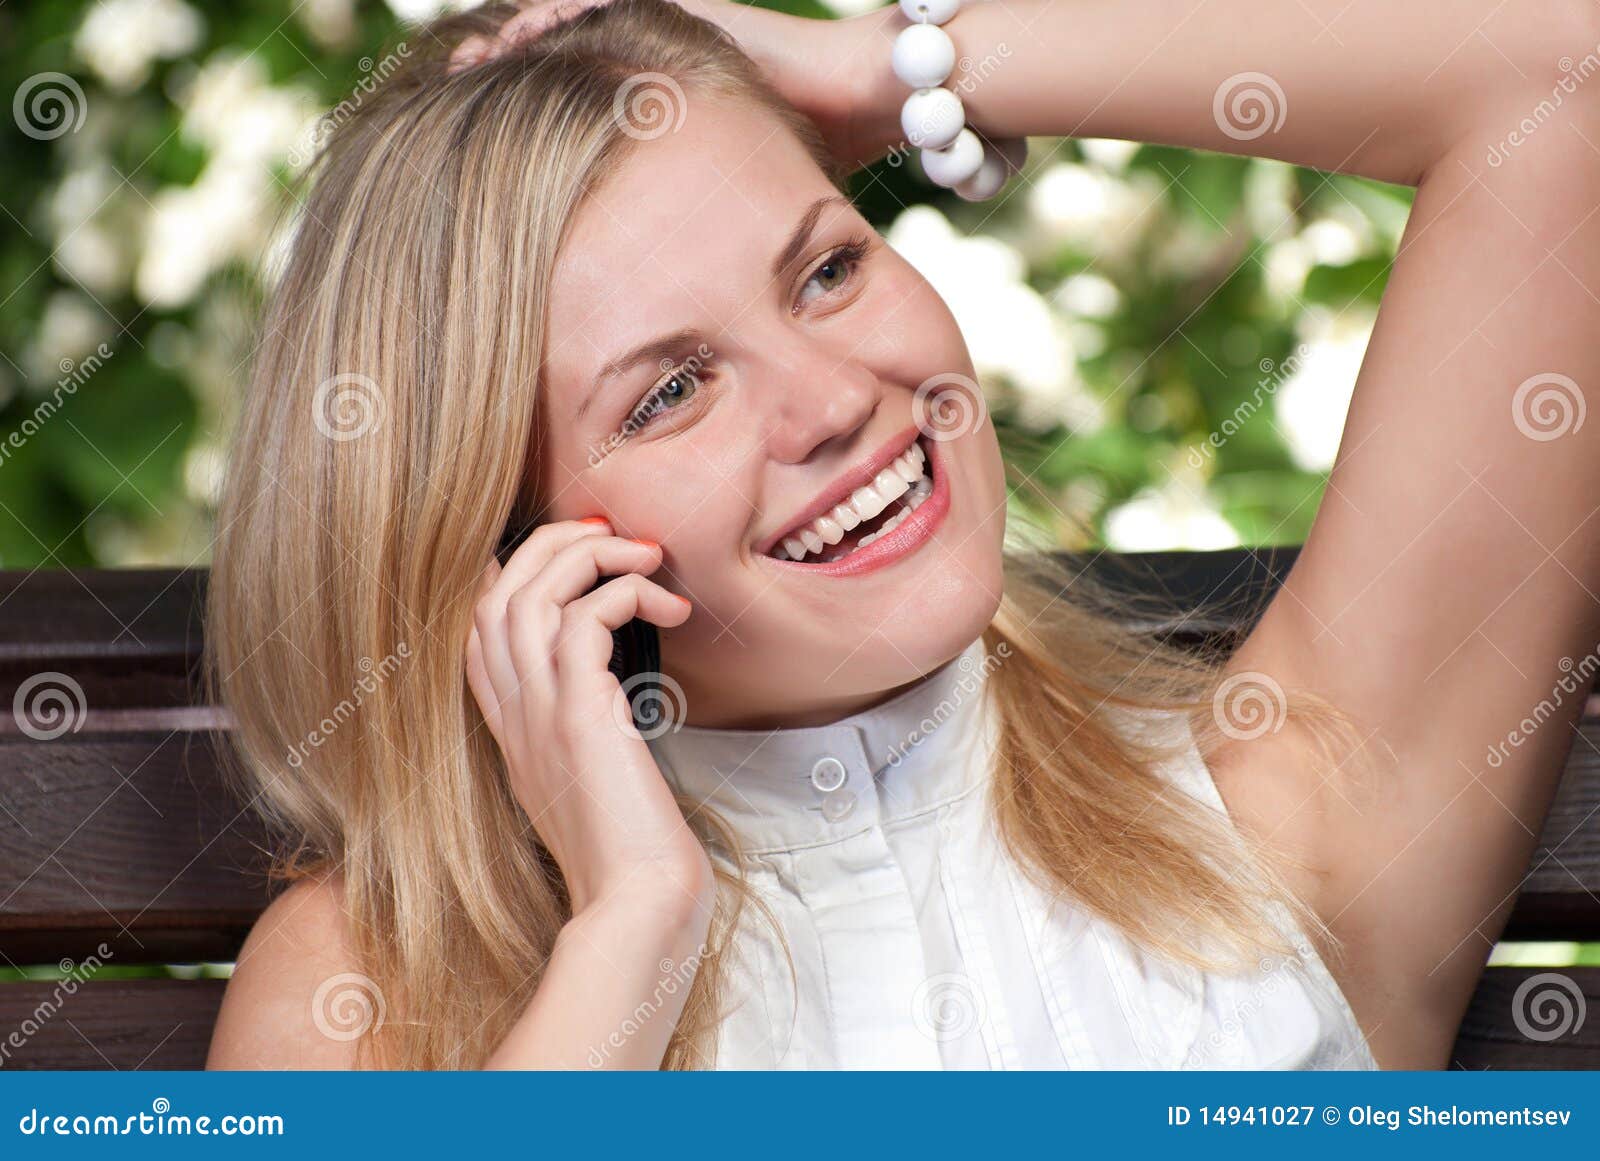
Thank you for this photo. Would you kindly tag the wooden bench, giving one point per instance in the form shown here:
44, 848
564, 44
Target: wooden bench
118, 834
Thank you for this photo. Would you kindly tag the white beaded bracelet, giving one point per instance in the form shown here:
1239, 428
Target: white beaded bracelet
934, 119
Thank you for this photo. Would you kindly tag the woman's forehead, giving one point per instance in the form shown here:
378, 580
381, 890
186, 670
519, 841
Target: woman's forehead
681, 233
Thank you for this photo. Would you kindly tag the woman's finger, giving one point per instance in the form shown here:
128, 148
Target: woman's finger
583, 651
535, 612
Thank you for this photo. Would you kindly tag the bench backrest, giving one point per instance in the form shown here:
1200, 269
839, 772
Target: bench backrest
120, 845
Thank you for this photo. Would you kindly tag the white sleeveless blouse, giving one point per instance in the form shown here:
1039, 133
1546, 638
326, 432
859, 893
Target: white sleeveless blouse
917, 943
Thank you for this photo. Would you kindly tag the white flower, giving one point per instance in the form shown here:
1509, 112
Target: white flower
1170, 517
1310, 407
1010, 329
121, 39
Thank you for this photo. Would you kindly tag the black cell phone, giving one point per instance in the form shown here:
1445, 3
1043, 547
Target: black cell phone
635, 648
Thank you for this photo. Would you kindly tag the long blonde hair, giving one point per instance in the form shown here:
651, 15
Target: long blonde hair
384, 445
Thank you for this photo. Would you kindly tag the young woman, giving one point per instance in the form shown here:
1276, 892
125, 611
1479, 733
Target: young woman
582, 283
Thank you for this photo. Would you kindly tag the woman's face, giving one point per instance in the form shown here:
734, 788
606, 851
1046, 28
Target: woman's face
733, 355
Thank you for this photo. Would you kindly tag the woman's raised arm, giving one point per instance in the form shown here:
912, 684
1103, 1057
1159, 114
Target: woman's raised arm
1447, 592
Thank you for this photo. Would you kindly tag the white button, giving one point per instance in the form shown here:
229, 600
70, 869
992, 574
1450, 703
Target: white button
837, 806
828, 775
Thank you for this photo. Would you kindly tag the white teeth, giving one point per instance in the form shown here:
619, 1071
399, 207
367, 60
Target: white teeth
905, 477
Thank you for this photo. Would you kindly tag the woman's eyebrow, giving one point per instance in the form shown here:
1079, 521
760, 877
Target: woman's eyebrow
666, 346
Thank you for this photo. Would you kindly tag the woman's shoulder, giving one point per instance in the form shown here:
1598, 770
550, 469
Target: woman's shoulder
270, 1018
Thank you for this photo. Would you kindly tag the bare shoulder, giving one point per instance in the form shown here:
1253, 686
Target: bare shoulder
269, 1017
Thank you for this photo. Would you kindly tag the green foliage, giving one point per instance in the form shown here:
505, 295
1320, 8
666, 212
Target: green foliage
123, 472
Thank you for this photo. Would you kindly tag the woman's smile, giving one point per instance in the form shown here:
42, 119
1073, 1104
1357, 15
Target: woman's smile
875, 514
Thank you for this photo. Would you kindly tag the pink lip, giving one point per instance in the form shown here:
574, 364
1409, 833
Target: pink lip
912, 532
857, 477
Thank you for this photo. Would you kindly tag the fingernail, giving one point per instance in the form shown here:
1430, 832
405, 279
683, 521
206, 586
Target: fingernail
646, 543
685, 600
594, 520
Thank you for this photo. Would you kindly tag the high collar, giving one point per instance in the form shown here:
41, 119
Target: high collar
786, 788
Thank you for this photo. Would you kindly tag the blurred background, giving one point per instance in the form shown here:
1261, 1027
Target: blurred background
1168, 339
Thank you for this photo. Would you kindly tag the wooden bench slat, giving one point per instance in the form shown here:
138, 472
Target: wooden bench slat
125, 1025
130, 840
162, 1024
1491, 1038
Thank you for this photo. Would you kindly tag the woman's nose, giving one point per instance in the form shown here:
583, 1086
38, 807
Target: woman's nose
816, 394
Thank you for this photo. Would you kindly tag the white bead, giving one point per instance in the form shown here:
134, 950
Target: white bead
956, 162
929, 11
989, 179
1014, 150
923, 55
931, 118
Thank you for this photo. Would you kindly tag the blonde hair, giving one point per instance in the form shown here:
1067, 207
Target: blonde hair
384, 445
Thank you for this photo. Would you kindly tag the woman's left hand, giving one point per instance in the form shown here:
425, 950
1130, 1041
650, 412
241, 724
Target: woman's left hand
834, 71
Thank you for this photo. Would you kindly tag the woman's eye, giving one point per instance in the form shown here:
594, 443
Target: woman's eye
834, 272
674, 390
